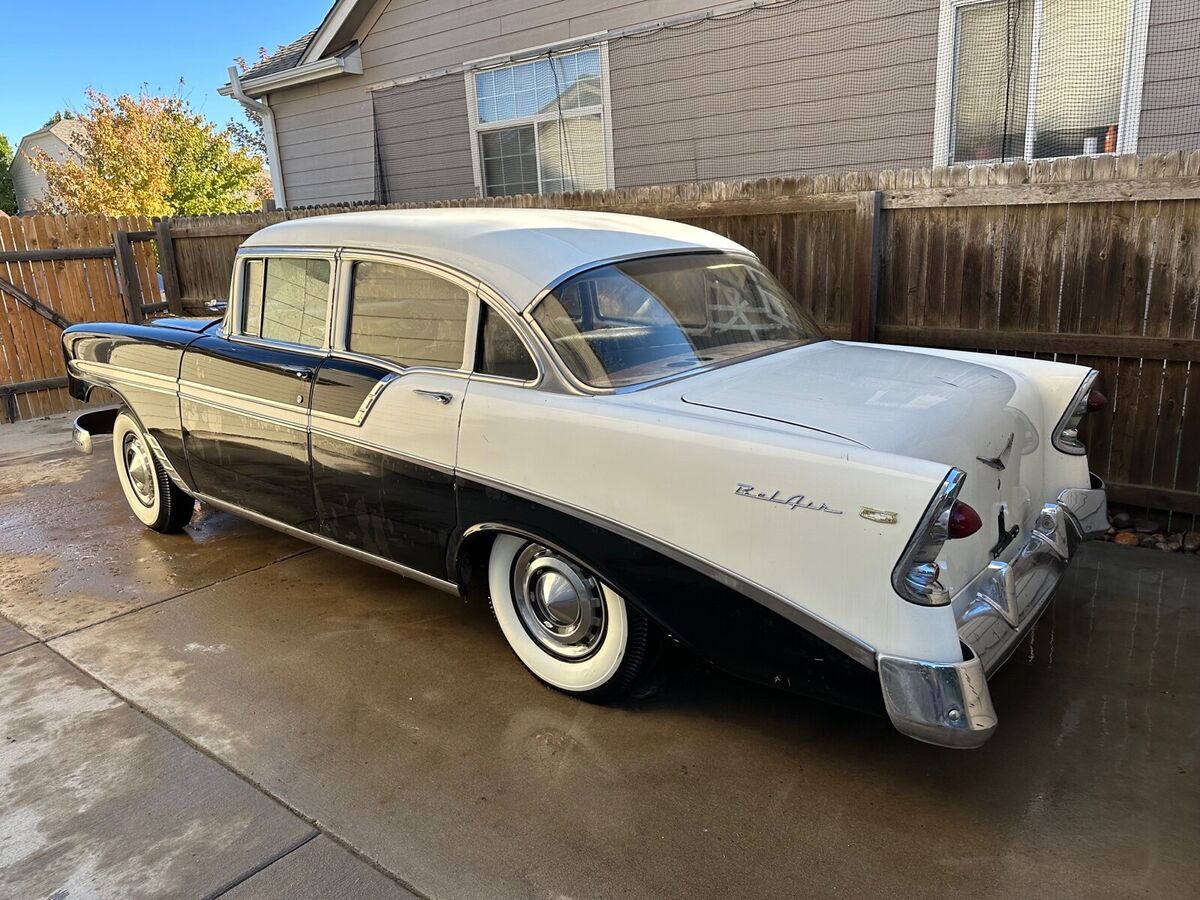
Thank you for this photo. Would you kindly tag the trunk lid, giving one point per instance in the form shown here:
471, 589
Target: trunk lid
945, 410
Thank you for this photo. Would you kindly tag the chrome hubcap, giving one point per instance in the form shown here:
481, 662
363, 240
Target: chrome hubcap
140, 468
560, 605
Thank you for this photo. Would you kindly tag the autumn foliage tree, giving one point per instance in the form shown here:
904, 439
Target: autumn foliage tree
153, 156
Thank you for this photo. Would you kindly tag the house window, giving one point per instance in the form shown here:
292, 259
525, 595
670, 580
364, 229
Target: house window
1033, 79
541, 126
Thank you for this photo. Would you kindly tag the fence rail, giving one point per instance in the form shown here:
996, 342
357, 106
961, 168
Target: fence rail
1088, 260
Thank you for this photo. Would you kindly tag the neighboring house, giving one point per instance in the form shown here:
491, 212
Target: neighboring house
421, 100
57, 141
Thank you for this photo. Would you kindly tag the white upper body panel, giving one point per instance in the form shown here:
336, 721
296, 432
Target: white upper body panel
516, 252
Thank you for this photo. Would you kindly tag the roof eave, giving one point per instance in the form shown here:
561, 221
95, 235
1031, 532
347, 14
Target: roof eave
348, 62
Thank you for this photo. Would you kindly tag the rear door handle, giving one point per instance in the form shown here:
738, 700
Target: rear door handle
440, 396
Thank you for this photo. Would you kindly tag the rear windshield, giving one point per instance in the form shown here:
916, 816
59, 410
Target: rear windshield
642, 319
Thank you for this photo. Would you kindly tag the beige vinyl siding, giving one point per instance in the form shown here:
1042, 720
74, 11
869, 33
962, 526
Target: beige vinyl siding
424, 141
811, 87
318, 124
1170, 117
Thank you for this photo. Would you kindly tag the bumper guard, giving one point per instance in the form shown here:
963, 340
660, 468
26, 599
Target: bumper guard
949, 704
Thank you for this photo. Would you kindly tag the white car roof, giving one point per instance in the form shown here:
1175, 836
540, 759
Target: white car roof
518, 252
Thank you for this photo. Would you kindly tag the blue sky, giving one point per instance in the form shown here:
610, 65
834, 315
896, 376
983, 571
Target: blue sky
54, 49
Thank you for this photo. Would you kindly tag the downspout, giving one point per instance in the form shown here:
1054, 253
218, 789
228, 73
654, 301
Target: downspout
268, 119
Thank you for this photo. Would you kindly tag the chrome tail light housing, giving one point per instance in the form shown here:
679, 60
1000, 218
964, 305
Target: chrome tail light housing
916, 576
1086, 400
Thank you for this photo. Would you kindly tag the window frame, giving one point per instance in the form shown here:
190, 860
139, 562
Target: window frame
1133, 72
520, 327
477, 128
343, 309
233, 325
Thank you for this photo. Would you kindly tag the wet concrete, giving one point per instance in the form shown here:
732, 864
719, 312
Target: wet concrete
320, 870
98, 801
12, 637
396, 718
72, 554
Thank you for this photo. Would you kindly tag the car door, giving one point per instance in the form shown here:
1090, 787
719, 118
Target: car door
245, 392
385, 410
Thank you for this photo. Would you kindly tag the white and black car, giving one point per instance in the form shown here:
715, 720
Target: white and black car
625, 429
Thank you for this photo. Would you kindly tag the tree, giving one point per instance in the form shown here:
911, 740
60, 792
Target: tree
8, 197
59, 115
152, 156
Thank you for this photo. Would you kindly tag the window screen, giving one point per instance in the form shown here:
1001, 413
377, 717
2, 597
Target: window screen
500, 351
407, 316
540, 125
290, 303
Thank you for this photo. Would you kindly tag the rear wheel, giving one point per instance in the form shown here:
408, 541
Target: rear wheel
570, 630
155, 499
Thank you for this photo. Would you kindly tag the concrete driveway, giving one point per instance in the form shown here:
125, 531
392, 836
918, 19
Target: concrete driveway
230, 710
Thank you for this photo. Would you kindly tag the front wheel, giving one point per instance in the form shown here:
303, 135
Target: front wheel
154, 498
570, 630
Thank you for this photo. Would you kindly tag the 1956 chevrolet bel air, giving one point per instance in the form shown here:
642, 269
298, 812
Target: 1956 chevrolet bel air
621, 429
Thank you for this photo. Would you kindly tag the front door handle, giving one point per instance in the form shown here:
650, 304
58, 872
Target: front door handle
440, 396
302, 372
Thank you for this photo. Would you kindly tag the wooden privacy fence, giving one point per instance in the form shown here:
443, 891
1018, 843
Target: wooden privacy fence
55, 270
1088, 260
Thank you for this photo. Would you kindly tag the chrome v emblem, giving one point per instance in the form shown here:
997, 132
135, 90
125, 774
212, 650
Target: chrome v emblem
998, 462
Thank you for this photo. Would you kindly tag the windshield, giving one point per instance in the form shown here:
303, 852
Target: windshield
642, 319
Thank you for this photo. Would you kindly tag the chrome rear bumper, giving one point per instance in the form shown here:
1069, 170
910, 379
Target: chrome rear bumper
949, 704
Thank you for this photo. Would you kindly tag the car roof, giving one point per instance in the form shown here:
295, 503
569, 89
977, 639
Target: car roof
517, 252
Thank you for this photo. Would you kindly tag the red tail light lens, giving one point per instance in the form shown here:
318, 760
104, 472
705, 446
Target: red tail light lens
964, 521
1096, 401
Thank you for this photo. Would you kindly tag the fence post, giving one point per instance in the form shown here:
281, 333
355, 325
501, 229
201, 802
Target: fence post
865, 300
166, 265
127, 277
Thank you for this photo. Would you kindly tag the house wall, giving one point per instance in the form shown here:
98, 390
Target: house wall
30, 185
1171, 88
714, 100
802, 88
326, 136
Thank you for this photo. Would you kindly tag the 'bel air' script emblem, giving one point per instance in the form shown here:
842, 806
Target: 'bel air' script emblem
795, 501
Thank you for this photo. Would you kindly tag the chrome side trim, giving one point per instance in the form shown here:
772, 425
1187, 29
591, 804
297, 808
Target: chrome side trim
386, 451
854, 647
363, 408
947, 704
163, 384
194, 390
328, 544
257, 416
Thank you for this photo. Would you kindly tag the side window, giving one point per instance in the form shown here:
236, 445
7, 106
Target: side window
407, 316
286, 299
500, 352
252, 294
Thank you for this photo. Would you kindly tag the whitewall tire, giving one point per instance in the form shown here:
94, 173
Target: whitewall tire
155, 500
571, 631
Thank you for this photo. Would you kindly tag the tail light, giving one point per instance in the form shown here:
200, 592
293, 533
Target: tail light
915, 577
1086, 400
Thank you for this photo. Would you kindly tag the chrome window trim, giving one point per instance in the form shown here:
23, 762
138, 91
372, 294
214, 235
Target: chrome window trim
344, 303
519, 327
581, 387
857, 649
330, 544
232, 325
